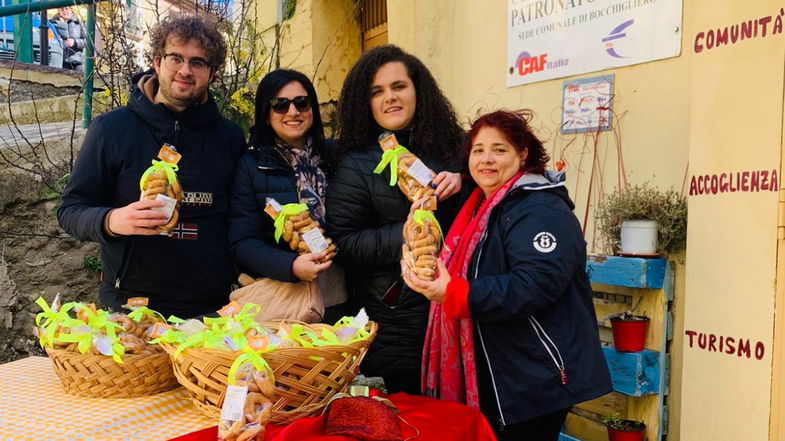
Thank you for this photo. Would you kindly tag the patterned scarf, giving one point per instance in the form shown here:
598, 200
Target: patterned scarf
311, 182
448, 369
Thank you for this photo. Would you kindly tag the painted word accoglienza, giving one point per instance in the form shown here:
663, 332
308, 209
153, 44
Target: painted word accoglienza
743, 181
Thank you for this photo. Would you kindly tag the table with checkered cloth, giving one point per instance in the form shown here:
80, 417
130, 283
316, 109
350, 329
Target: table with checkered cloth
33, 406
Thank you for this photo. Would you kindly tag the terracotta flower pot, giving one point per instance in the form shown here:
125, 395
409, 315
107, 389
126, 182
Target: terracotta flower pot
626, 430
629, 332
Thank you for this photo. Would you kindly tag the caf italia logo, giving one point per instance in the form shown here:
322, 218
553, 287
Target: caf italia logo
544, 242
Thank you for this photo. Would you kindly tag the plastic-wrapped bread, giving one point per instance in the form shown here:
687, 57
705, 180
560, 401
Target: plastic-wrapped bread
159, 182
251, 373
422, 240
293, 223
407, 170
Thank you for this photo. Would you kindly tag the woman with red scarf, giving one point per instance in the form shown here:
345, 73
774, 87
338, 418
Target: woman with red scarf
512, 328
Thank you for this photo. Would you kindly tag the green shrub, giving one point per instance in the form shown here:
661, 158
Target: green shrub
638, 202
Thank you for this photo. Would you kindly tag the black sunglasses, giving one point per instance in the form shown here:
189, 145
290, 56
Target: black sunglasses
281, 105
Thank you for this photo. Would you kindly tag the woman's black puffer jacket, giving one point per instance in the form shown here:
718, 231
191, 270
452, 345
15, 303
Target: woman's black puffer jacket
260, 174
365, 217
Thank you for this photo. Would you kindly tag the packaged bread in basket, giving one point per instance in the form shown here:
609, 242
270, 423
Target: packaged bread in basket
310, 363
407, 170
294, 223
422, 236
249, 399
103, 355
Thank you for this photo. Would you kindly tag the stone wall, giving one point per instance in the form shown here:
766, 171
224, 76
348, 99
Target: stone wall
36, 258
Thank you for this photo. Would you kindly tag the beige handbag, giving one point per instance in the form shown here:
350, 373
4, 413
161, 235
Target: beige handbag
281, 300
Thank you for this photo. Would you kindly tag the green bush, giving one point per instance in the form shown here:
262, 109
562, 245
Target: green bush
638, 202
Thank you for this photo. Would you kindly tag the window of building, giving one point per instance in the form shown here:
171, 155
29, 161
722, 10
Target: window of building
374, 23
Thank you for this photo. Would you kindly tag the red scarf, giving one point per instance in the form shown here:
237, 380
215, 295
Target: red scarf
448, 370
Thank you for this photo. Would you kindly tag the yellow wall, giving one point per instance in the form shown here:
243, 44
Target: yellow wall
466, 52
731, 264
718, 111
464, 43
322, 40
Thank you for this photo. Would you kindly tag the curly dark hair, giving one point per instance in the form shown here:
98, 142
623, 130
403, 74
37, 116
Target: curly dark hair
515, 127
435, 129
189, 28
262, 135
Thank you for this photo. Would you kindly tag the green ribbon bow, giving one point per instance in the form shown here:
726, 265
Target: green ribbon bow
210, 339
330, 338
173, 319
421, 215
99, 321
286, 211
391, 157
171, 336
296, 336
168, 168
247, 317
138, 314
49, 321
348, 321
252, 356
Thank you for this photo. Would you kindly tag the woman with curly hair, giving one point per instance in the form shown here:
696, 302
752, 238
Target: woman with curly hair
389, 90
512, 328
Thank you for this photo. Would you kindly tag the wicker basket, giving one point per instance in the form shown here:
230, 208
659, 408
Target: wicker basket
305, 378
99, 376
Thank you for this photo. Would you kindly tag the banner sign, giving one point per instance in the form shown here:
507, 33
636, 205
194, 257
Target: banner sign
549, 39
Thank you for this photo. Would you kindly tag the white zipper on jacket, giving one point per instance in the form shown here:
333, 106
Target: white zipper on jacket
482, 341
493, 379
540, 331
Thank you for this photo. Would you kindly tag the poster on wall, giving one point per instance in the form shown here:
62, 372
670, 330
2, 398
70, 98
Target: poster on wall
549, 39
586, 104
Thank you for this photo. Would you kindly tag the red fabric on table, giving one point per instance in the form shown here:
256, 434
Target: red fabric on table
437, 420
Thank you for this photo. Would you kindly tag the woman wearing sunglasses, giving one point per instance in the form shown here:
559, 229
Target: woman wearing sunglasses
288, 160
388, 89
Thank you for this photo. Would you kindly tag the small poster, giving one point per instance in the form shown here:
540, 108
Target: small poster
587, 104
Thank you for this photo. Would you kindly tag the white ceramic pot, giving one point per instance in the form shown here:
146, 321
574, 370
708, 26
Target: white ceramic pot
639, 237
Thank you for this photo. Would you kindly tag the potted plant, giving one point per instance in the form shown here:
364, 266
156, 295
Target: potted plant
620, 429
629, 331
655, 221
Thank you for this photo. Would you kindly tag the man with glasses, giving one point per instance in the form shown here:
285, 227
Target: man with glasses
187, 273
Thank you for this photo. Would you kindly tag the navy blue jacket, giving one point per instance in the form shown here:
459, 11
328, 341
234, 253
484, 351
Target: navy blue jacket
365, 216
263, 173
531, 303
185, 277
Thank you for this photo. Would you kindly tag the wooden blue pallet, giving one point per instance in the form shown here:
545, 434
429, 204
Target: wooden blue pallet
565, 437
633, 272
634, 373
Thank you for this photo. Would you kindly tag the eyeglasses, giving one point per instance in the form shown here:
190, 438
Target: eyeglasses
175, 62
281, 105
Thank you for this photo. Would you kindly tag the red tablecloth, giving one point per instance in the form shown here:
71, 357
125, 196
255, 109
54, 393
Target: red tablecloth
436, 420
